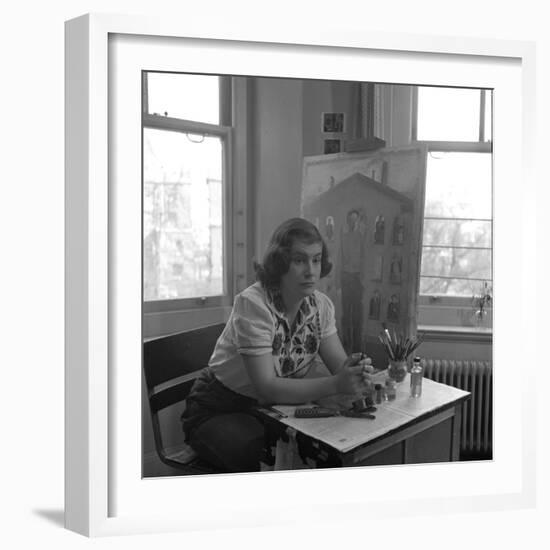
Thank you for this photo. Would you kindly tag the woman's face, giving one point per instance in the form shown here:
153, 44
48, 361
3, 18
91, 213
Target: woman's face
304, 271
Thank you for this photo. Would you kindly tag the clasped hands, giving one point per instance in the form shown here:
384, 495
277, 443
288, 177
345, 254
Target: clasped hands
355, 376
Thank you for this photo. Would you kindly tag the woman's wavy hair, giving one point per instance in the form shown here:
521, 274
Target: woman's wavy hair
276, 260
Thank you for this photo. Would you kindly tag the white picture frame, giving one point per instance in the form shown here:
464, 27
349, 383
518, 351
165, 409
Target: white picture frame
105, 494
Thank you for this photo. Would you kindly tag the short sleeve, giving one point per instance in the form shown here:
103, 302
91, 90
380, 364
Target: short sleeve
326, 315
252, 326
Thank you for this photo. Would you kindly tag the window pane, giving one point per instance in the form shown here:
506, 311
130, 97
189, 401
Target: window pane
456, 262
183, 238
448, 287
190, 97
457, 233
458, 185
448, 114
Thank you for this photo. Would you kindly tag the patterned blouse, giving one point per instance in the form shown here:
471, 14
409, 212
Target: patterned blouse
258, 326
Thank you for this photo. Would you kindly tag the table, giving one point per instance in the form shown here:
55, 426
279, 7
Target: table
405, 431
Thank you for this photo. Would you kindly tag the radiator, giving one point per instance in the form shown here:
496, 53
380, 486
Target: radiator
476, 439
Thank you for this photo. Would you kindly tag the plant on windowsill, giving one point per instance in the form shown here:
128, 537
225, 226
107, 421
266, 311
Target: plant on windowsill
481, 302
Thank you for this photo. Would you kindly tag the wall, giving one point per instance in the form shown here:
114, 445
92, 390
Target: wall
276, 150
317, 98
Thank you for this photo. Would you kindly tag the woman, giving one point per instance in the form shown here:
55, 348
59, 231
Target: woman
267, 349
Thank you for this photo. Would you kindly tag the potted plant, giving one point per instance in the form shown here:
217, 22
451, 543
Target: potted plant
481, 302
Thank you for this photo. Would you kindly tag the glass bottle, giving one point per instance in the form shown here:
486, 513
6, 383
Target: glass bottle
378, 393
417, 373
391, 390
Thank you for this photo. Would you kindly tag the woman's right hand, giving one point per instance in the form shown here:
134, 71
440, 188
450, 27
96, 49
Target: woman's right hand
350, 379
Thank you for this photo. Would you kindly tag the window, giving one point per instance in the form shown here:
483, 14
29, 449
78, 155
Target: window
456, 245
453, 115
185, 179
457, 236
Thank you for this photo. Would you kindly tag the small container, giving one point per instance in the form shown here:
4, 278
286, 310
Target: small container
417, 373
359, 405
397, 370
391, 389
378, 392
370, 398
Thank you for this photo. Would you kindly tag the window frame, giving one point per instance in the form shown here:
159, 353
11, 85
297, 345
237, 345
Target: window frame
480, 146
224, 131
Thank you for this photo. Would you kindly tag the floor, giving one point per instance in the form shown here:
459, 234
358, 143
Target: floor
154, 467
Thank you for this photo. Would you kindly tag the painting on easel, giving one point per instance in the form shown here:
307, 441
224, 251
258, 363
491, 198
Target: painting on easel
374, 202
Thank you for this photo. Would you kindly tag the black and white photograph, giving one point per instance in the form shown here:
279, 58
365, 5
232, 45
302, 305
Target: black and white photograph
156, 155
333, 123
261, 317
332, 146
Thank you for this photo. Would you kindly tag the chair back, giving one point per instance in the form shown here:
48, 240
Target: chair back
171, 363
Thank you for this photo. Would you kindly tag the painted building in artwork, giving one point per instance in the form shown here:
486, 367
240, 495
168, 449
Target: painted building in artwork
367, 228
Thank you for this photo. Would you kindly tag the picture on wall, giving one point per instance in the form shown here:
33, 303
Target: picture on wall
332, 146
333, 123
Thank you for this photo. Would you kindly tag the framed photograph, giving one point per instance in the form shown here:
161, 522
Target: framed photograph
107, 317
333, 123
332, 146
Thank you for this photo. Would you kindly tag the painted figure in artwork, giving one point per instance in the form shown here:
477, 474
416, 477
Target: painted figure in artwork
393, 309
352, 266
374, 306
379, 230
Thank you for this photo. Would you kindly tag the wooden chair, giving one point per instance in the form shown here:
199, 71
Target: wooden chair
171, 364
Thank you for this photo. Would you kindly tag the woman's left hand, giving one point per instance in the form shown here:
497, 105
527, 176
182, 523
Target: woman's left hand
368, 370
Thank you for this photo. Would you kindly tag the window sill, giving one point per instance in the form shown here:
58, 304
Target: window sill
437, 333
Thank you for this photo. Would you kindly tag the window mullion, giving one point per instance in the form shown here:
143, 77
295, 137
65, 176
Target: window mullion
448, 218
144, 93
482, 116
414, 114
455, 247
186, 126
457, 146
457, 277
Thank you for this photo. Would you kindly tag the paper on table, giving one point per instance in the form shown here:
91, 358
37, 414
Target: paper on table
345, 433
